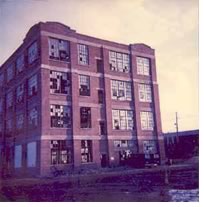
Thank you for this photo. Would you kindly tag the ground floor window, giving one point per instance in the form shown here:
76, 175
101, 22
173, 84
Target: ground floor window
18, 156
60, 152
31, 154
86, 151
150, 150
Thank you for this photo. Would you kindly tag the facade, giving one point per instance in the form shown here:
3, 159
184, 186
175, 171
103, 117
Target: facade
73, 101
183, 145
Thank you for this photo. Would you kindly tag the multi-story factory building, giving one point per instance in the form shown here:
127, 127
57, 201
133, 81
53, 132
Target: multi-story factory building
74, 101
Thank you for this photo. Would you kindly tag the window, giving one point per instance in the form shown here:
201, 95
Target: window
60, 152
102, 128
145, 93
19, 122
100, 96
86, 151
33, 118
122, 119
1, 79
150, 147
119, 62
83, 54
20, 63
99, 65
32, 53
84, 85
143, 66
31, 154
59, 49
147, 121
60, 116
20, 93
18, 156
60, 82
9, 100
10, 73
121, 90
32, 86
85, 117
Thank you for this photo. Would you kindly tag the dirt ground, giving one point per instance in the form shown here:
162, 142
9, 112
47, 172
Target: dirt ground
118, 185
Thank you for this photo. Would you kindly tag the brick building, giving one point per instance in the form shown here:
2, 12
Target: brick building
74, 101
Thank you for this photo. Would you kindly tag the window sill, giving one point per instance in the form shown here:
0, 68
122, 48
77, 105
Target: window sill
56, 60
87, 163
126, 130
61, 128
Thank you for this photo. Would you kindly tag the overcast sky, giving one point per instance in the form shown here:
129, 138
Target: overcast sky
169, 26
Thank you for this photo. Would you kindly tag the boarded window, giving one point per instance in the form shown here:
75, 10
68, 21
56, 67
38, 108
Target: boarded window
85, 117
31, 154
18, 156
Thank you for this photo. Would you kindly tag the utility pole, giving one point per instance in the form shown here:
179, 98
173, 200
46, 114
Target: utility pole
176, 124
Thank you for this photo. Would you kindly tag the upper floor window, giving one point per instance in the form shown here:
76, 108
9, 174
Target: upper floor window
32, 85
60, 152
119, 62
124, 143
121, 90
59, 49
19, 122
32, 52
122, 119
20, 63
145, 93
60, 116
85, 117
147, 120
9, 127
10, 73
84, 85
86, 151
83, 56
149, 147
59, 82
1, 79
9, 100
100, 96
20, 93
143, 66
33, 118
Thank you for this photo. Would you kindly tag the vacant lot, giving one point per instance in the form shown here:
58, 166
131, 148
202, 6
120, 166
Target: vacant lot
129, 185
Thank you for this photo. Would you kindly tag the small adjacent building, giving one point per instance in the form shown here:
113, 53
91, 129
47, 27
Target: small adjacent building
181, 145
72, 101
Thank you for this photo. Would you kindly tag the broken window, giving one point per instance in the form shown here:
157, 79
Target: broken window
100, 96
143, 66
60, 82
31, 154
83, 55
32, 85
20, 63
10, 73
122, 119
60, 152
32, 53
145, 93
121, 90
9, 100
124, 143
33, 118
119, 62
147, 120
86, 151
60, 116
19, 122
149, 147
84, 85
9, 127
1, 105
85, 117
59, 49
20, 93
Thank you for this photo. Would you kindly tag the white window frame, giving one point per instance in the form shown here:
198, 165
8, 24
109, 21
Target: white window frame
145, 93
119, 87
83, 54
147, 120
143, 66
